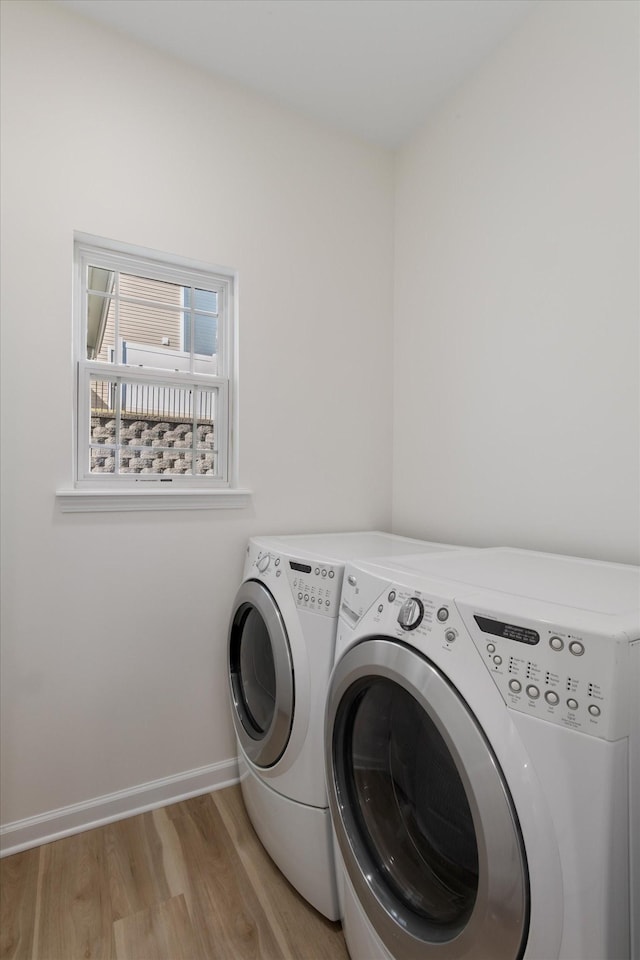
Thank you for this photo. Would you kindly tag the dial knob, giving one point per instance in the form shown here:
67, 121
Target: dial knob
263, 562
411, 614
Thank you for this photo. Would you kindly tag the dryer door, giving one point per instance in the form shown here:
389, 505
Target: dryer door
260, 675
426, 825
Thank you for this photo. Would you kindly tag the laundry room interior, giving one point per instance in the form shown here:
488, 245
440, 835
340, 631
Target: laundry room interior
437, 337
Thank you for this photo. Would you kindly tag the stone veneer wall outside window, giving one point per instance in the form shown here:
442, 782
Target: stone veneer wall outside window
169, 441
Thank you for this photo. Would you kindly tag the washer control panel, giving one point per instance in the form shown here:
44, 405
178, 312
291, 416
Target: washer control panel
577, 679
566, 676
410, 615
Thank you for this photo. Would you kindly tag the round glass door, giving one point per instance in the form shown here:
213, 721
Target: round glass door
424, 820
260, 675
410, 806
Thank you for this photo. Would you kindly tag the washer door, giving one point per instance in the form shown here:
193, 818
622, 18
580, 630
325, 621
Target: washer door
425, 822
260, 675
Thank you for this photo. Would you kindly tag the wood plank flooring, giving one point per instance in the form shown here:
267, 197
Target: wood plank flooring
186, 882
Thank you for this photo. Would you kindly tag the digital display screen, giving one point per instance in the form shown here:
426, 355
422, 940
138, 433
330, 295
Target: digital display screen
509, 631
301, 567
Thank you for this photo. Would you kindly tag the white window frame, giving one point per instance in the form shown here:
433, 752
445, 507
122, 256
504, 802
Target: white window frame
104, 491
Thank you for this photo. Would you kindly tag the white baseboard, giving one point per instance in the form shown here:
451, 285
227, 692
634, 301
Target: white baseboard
55, 824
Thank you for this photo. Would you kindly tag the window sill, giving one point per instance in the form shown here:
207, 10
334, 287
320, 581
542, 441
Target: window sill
107, 501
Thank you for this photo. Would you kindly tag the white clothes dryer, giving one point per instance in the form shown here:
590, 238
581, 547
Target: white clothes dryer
483, 758
280, 654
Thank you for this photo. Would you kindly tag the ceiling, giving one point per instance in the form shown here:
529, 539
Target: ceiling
376, 68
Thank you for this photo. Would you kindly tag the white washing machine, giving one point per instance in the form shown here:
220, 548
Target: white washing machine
280, 654
483, 758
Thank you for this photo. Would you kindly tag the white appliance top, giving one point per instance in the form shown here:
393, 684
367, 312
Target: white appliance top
340, 547
589, 585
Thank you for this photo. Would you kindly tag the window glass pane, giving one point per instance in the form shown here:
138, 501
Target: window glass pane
102, 429
151, 337
159, 291
205, 321
103, 405
156, 403
206, 463
156, 460
153, 329
100, 279
148, 336
205, 301
98, 311
103, 459
101, 314
152, 428
155, 457
205, 419
206, 334
156, 322
155, 338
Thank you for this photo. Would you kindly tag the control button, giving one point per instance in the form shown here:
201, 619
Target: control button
313, 599
263, 562
380, 607
442, 614
594, 710
306, 596
411, 614
515, 685
299, 596
491, 648
450, 635
351, 580
332, 574
576, 648
324, 573
328, 602
392, 596
277, 561
533, 692
572, 704
317, 571
552, 697
556, 643
278, 572
497, 659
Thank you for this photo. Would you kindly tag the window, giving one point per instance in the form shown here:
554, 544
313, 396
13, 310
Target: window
155, 361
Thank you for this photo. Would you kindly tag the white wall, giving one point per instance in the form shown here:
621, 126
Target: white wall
113, 668
516, 354
516, 296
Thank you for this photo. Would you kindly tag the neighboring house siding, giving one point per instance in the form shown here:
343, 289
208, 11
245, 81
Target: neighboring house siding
142, 324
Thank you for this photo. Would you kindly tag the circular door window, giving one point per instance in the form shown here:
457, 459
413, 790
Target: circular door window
410, 806
424, 820
260, 675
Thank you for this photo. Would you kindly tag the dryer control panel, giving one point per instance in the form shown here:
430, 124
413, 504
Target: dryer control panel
562, 674
315, 586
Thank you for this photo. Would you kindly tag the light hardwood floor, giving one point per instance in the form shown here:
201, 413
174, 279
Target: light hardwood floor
186, 882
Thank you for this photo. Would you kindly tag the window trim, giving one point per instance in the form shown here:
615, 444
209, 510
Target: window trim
103, 492
127, 501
